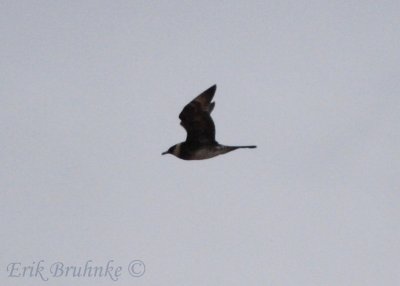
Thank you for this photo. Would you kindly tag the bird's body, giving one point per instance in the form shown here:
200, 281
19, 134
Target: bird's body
200, 141
191, 152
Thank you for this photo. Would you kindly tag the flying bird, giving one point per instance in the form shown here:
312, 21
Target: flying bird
200, 140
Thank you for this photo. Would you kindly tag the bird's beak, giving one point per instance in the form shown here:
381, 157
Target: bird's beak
163, 153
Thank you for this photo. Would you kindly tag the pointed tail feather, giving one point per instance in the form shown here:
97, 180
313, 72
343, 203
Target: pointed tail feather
248, 146
226, 149
231, 148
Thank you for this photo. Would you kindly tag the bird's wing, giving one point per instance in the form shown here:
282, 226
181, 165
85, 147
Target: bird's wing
196, 119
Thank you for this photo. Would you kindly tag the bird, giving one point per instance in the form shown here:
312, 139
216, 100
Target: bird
200, 141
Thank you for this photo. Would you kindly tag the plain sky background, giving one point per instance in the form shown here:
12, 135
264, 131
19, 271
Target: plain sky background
90, 94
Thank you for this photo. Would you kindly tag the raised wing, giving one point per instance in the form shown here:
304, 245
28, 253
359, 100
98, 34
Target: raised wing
196, 119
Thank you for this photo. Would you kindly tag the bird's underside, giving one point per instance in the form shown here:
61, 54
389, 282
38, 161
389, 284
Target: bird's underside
200, 140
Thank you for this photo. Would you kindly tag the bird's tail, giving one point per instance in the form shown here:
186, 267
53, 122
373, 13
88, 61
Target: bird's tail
248, 146
238, 147
227, 149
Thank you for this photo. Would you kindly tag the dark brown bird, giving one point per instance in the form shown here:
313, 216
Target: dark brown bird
200, 140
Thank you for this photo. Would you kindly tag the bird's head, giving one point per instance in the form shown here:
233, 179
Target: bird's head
173, 150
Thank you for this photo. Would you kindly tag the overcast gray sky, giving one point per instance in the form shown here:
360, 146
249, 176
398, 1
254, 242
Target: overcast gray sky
89, 98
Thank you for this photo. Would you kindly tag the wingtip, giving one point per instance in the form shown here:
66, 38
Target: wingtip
213, 88
208, 94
